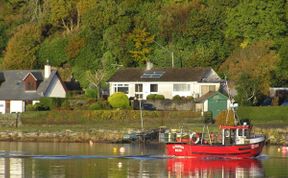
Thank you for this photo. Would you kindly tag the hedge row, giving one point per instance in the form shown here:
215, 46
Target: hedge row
93, 116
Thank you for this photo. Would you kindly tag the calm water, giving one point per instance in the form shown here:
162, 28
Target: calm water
104, 160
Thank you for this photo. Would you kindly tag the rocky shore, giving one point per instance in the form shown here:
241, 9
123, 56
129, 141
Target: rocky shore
63, 136
274, 136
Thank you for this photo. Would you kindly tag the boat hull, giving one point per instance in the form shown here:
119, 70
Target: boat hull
218, 151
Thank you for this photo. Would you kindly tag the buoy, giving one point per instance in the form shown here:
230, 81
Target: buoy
278, 149
114, 150
122, 150
119, 165
90, 142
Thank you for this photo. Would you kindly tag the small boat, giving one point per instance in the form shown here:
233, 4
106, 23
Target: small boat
233, 141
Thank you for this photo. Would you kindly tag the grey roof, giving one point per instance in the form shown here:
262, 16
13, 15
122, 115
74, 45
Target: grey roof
13, 86
169, 74
208, 95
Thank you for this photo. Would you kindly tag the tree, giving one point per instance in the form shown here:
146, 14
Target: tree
256, 20
53, 49
22, 47
95, 78
254, 65
62, 13
141, 40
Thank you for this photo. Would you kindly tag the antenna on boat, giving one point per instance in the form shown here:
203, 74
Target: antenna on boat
233, 104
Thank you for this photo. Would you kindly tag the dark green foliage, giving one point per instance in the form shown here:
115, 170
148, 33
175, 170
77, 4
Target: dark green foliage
91, 93
100, 104
49, 103
159, 97
155, 97
176, 98
151, 97
53, 50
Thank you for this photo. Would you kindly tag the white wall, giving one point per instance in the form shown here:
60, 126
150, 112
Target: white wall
2, 106
17, 106
205, 105
165, 88
56, 89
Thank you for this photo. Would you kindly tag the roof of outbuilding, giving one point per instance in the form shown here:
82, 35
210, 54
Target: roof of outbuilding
13, 87
168, 74
208, 95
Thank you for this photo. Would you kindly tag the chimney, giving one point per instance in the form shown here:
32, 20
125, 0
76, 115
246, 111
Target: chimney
149, 65
47, 70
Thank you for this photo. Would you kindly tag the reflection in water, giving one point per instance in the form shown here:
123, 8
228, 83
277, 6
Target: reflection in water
214, 168
11, 167
43, 160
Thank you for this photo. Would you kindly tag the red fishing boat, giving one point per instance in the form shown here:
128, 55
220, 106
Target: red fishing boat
236, 141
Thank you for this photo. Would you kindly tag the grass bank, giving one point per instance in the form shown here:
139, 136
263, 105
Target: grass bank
268, 116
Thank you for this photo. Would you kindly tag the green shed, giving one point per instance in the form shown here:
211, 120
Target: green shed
214, 102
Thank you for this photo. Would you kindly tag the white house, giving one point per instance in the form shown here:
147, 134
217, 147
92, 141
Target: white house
139, 82
21, 87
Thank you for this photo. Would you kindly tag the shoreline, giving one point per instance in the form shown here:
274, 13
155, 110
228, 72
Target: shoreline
274, 136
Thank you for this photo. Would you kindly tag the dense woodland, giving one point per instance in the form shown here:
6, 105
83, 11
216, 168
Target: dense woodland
245, 40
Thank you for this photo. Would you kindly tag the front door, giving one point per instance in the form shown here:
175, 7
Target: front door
7, 106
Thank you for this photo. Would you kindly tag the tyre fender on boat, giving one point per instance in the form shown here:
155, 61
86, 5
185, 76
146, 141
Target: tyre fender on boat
194, 137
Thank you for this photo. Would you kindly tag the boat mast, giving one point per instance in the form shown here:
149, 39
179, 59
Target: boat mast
233, 105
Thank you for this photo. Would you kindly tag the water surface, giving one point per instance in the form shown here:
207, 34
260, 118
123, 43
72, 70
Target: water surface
42, 160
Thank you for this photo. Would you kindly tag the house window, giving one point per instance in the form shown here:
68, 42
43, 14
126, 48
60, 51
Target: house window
181, 87
206, 88
138, 88
153, 88
138, 96
30, 86
121, 88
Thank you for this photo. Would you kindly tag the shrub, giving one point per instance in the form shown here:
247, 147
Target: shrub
151, 97
176, 98
31, 107
159, 97
189, 98
41, 107
101, 104
91, 93
49, 103
95, 106
221, 118
118, 100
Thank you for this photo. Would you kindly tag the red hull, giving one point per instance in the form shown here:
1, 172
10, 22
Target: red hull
222, 151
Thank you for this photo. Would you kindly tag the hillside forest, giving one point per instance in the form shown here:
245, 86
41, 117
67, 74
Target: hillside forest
245, 40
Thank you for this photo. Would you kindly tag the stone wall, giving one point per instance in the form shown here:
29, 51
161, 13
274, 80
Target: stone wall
63, 136
173, 105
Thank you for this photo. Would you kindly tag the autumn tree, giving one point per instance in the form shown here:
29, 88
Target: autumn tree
22, 47
61, 13
141, 41
253, 64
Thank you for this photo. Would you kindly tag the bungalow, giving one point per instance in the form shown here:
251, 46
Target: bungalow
139, 83
21, 87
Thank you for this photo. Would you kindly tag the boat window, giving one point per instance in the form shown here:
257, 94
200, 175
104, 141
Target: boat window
227, 133
246, 132
240, 132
